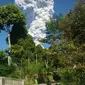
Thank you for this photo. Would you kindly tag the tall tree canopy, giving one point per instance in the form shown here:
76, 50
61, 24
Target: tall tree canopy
11, 15
73, 24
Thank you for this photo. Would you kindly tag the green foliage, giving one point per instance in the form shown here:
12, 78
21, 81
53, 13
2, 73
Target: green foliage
70, 76
67, 56
27, 58
73, 24
35, 68
11, 15
80, 76
22, 50
2, 57
5, 70
67, 76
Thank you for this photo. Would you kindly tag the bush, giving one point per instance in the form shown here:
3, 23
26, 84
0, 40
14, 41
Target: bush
70, 76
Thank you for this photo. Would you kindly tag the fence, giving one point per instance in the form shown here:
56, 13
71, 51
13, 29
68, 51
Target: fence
9, 81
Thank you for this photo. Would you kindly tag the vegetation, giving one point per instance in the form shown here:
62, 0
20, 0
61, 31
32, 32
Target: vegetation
11, 15
63, 61
73, 24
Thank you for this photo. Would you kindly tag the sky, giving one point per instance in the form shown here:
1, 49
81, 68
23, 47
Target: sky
60, 6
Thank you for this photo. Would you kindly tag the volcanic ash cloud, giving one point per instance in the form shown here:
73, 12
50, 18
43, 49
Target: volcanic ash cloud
37, 13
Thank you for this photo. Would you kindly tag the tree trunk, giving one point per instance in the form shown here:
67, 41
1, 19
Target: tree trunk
9, 44
9, 41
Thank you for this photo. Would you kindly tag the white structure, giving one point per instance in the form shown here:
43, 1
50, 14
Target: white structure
37, 13
9, 81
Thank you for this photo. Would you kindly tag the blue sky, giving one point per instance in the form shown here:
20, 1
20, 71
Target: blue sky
63, 6
60, 6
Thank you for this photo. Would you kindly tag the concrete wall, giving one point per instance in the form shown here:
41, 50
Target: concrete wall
9, 81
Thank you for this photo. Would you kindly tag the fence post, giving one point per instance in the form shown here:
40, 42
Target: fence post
2, 81
23, 82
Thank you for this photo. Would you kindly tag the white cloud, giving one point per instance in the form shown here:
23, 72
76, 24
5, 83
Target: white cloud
37, 12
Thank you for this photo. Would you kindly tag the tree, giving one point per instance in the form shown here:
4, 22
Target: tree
73, 24
68, 55
71, 56
11, 15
